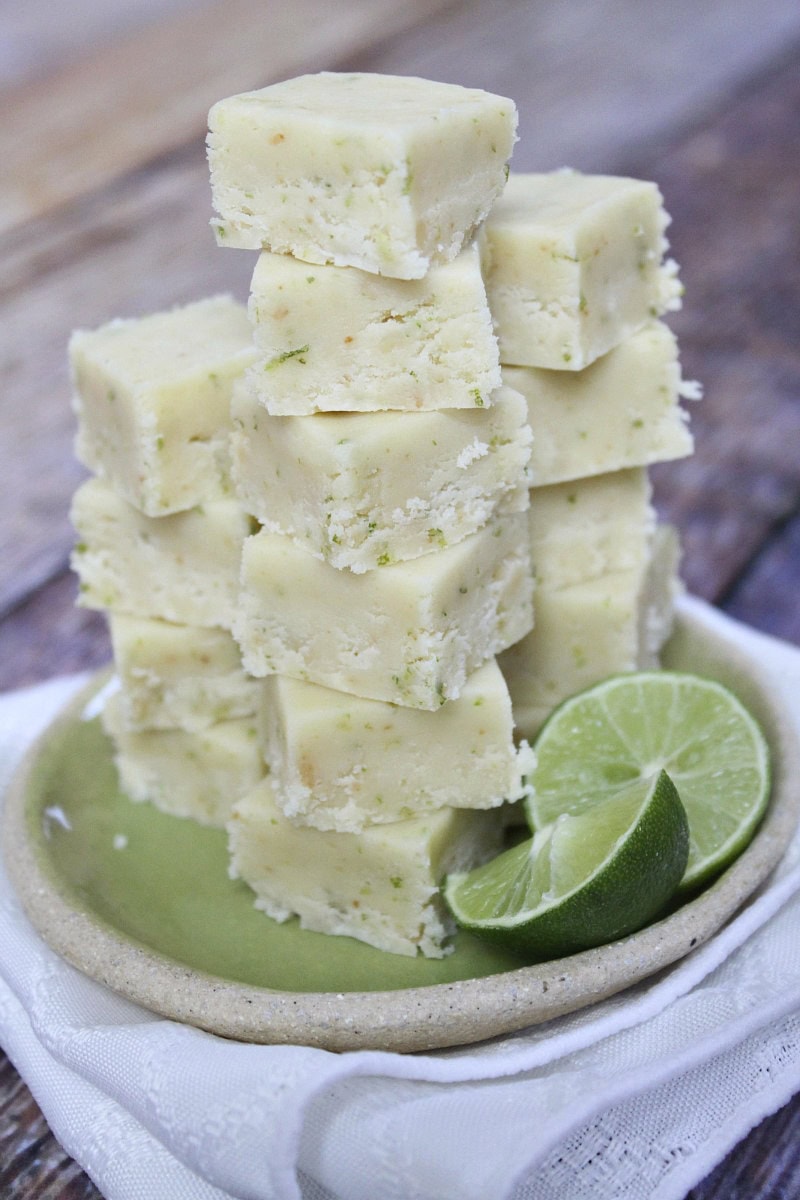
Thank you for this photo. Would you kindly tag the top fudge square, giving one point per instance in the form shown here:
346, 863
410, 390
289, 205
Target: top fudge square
386, 173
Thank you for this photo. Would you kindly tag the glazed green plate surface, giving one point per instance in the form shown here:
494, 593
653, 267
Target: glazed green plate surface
142, 902
164, 881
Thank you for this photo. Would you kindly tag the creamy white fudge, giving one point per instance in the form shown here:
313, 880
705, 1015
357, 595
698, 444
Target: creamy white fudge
588, 631
152, 399
341, 762
182, 568
380, 886
590, 527
335, 339
574, 264
179, 676
622, 411
386, 173
362, 489
197, 775
409, 633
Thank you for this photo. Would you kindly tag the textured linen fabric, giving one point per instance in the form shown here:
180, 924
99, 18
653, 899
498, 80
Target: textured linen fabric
635, 1098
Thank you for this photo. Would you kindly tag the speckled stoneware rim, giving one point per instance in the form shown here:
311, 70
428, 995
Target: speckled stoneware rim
439, 1015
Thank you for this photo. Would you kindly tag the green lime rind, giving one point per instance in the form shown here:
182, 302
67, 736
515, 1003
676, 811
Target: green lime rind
633, 726
583, 880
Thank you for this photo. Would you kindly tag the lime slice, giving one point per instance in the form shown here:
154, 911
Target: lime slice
582, 880
632, 727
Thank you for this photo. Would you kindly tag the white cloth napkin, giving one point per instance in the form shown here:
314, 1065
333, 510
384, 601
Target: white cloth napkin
636, 1098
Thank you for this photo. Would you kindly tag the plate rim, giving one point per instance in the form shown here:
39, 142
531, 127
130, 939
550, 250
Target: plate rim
427, 1017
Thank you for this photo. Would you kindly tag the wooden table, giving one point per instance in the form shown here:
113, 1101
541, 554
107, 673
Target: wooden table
104, 205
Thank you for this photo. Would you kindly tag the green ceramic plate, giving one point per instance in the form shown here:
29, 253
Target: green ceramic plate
142, 901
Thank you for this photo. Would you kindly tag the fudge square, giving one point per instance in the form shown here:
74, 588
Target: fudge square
197, 775
386, 173
589, 527
182, 568
152, 399
341, 762
588, 631
179, 676
337, 339
380, 886
574, 265
409, 633
363, 489
622, 411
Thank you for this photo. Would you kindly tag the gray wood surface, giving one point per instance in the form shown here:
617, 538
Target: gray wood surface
104, 206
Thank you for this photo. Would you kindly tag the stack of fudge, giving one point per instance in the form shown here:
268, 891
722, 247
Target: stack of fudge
315, 523
577, 280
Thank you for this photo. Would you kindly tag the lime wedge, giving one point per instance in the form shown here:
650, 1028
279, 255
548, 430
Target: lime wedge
634, 726
582, 880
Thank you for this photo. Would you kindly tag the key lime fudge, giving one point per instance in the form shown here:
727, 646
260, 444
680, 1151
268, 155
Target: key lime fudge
340, 762
590, 527
182, 568
389, 174
337, 659
622, 411
380, 886
409, 632
363, 489
179, 676
152, 399
197, 775
585, 632
574, 264
335, 339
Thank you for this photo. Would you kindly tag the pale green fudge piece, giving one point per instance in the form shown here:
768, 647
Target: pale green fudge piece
335, 339
152, 399
409, 633
179, 676
182, 568
380, 886
341, 762
197, 775
589, 527
574, 264
363, 489
622, 411
386, 173
588, 631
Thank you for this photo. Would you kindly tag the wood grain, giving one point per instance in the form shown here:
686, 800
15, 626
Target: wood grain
765, 1166
150, 92
731, 186
48, 635
32, 1164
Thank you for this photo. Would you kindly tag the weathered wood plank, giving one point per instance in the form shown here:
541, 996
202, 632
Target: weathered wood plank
32, 1164
47, 635
34, 45
594, 78
765, 1166
731, 186
767, 595
147, 93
